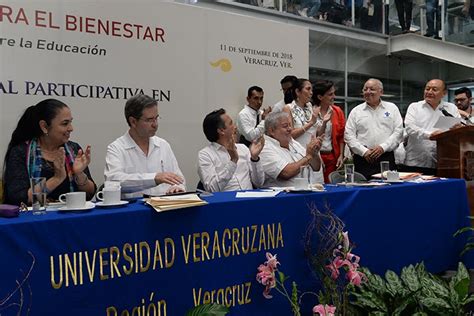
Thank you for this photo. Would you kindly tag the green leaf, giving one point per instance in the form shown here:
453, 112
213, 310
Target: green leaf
394, 284
369, 301
294, 294
420, 270
208, 310
463, 230
469, 246
376, 313
420, 314
468, 300
409, 276
376, 284
437, 305
434, 288
402, 306
281, 277
460, 282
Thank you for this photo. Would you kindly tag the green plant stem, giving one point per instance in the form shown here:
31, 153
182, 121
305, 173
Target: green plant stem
344, 300
295, 308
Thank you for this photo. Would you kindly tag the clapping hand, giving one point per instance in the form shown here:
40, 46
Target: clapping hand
314, 116
59, 158
327, 117
232, 150
256, 147
82, 160
314, 145
265, 112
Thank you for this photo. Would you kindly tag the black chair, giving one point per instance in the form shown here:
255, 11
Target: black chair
338, 177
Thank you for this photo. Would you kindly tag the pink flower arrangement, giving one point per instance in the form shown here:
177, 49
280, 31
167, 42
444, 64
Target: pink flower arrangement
266, 274
324, 310
344, 258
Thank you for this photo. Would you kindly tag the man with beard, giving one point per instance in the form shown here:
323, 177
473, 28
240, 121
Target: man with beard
463, 99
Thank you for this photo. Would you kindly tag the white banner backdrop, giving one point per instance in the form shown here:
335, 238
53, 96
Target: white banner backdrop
95, 55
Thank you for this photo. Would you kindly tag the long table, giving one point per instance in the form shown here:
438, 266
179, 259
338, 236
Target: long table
134, 261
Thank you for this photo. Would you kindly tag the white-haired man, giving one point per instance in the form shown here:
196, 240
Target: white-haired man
374, 129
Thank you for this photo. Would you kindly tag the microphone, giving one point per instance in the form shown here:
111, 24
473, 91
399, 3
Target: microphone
446, 113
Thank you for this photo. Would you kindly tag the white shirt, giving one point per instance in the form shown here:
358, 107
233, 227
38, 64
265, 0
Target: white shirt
419, 122
326, 144
278, 107
300, 117
275, 158
246, 124
218, 173
367, 128
470, 119
127, 163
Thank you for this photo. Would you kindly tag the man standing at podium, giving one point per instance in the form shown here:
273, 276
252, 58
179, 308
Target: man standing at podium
421, 155
463, 99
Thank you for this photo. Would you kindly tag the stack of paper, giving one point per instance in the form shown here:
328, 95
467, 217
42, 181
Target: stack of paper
403, 175
173, 202
363, 184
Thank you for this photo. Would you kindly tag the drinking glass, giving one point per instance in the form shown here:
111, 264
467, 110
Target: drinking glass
349, 173
384, 168
305, 172
38, 195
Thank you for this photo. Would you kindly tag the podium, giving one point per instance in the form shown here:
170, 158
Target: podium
456, 157
456, 153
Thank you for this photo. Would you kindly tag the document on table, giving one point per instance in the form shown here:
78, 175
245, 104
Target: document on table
256, 194
173, 202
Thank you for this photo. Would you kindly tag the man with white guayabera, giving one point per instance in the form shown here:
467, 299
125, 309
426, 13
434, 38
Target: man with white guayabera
143, 162
374, 129
421, 117
282, 157
224, 165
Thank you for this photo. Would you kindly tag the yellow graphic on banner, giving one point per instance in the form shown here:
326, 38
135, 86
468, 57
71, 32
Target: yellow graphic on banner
224, 63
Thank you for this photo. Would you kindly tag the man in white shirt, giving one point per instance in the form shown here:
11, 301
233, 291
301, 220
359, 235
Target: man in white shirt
463, 100
250, 122
286, 86
421, 155
374, 129
224, 165
282, 157
141, 161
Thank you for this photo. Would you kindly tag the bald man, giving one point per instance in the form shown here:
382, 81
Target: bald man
374, 129
421, 155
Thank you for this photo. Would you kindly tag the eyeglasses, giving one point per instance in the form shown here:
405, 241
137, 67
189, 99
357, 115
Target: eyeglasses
150, 120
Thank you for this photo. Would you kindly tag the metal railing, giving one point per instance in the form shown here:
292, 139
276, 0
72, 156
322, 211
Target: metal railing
451, 20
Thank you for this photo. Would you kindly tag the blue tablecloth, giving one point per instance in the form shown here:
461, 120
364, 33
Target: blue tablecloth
106, 261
